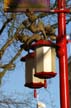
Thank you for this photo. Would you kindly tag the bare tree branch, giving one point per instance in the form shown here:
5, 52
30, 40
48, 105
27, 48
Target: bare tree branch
10, 41
10, 65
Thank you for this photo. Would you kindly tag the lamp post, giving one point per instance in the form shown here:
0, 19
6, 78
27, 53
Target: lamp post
62, 54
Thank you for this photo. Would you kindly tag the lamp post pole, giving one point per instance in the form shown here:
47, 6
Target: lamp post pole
62, 54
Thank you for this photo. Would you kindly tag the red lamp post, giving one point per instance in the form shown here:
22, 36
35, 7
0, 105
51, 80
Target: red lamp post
62, 54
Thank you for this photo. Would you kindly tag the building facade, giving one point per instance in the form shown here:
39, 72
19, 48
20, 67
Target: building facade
69, 69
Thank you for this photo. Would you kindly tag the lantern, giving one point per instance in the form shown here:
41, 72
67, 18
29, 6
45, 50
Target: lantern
45, 59
30, 80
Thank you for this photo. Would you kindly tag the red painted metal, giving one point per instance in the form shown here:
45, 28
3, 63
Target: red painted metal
45, 84
62, 54
28, 56
60, 11
43, 43
68, 41
45, 75
34, 85
35, 93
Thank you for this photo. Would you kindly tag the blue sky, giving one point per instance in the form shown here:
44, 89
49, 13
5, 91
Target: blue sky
14, 81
